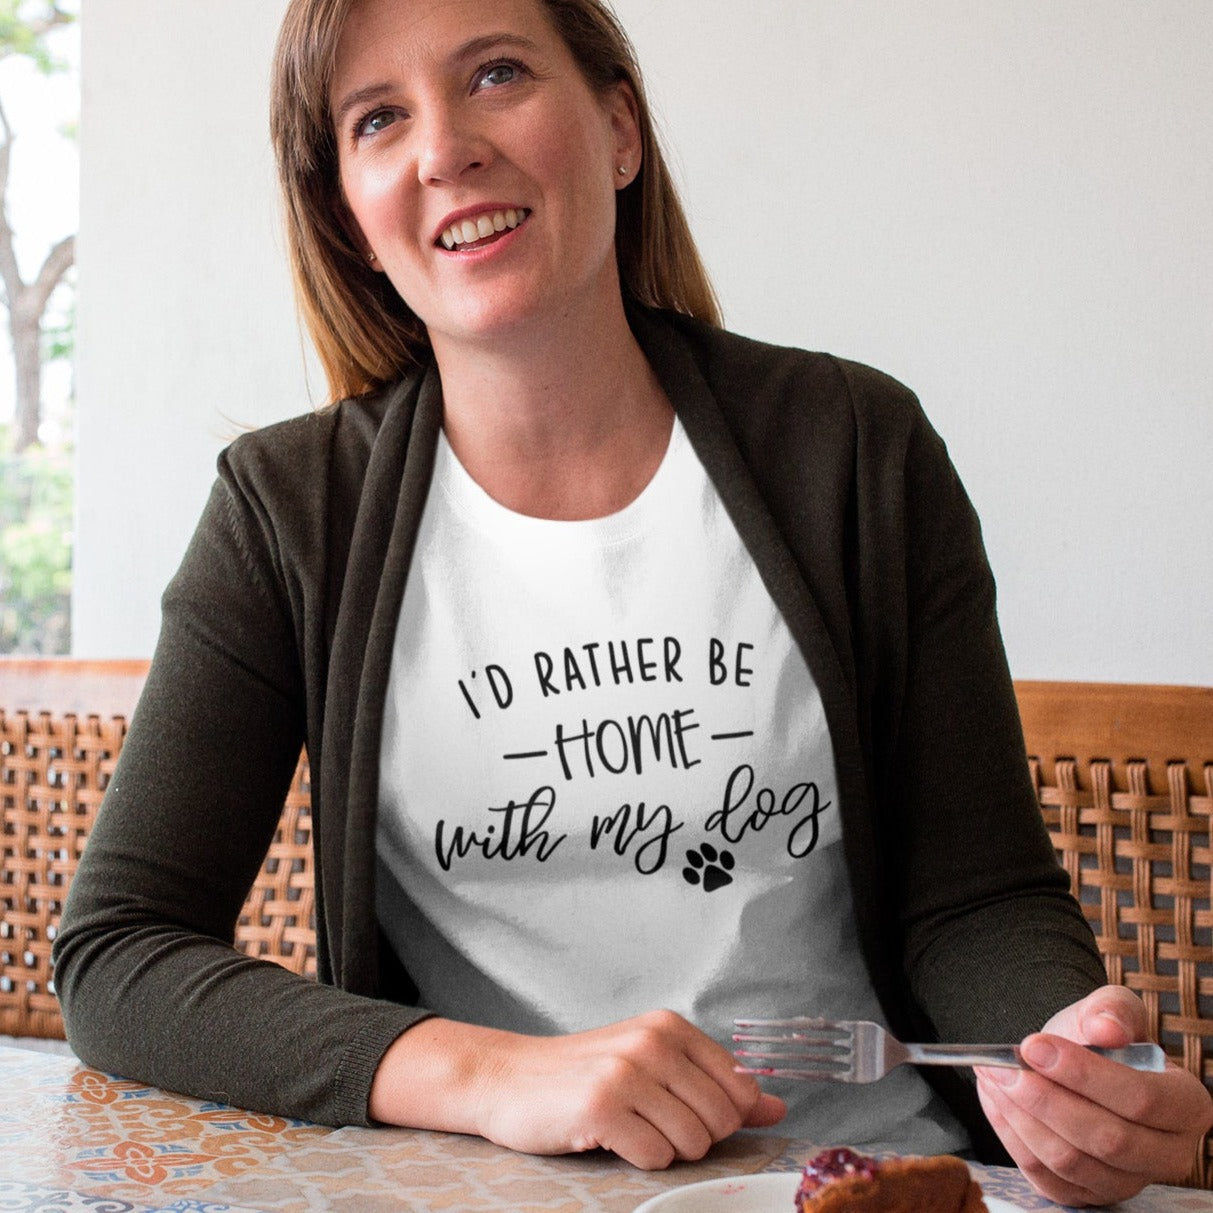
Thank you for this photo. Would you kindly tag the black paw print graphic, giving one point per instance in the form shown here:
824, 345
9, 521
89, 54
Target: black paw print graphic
709, 866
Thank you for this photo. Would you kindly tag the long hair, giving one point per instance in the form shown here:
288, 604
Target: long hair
365, 334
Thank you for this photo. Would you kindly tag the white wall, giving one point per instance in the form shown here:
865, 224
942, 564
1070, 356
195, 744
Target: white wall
1005, 203
187, 330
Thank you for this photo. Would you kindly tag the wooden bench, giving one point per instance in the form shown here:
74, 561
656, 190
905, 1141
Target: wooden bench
1124, 776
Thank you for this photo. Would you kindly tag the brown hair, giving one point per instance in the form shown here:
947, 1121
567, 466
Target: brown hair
364, 332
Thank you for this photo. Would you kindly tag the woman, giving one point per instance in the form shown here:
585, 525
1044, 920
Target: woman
639, 666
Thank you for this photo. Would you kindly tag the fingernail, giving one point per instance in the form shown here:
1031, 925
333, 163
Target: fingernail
1039, 1053
1117, 1021
1001, 1077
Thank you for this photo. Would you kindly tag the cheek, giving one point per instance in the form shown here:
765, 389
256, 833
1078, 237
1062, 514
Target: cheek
375, 199
573, 138
576, 155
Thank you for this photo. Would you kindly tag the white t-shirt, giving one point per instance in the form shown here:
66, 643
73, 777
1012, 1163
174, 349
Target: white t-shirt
607, 786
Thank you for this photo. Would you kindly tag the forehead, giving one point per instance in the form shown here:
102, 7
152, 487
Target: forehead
381, 34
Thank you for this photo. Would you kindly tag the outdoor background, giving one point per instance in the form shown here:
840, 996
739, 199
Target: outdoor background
1005, 203
39, 212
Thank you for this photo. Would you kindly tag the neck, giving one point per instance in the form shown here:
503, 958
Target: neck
570, 425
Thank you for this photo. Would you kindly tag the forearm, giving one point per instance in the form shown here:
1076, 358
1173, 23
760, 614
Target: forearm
435, 1075
651, 1089
191, 1014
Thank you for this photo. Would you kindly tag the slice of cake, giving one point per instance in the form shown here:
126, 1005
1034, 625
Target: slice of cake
841, 1181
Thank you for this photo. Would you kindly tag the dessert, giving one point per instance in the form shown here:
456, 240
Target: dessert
841, 1181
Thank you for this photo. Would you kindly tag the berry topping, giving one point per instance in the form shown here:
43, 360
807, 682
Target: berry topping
838, 1163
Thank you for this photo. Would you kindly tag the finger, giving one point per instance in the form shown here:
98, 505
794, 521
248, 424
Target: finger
1110, 1016
637, 1140
1003, 1116
700, 1084
676, 1121
768, 1111
1149, 1101
757, 1108
1113, 1016
720, 1065
1078, 1141
715, 1107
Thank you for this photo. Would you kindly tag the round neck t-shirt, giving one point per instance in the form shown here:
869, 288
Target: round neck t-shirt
607, 786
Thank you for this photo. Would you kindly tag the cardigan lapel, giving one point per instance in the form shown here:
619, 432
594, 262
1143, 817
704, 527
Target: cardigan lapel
380, 549
705, 419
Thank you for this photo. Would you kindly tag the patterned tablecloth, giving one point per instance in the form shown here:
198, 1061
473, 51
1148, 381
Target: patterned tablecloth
74, 1139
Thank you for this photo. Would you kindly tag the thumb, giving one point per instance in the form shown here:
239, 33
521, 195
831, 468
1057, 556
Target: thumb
1108, 1017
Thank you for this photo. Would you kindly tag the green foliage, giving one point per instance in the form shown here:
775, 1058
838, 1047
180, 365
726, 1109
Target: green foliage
36, 505
37, 486
24, 25
59, 334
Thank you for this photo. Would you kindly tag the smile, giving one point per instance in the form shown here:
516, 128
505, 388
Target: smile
483, 229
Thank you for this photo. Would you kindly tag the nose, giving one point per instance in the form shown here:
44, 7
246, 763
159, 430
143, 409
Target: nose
449, 146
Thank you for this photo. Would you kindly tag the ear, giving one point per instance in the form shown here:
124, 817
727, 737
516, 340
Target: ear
624, 116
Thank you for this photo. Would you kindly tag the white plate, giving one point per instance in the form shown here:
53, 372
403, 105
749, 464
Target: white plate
768, 1193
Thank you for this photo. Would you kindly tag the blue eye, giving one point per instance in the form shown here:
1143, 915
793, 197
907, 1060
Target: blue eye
498, 74
376, 121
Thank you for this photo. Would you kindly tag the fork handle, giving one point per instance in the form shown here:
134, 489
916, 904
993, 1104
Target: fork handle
1148, 1057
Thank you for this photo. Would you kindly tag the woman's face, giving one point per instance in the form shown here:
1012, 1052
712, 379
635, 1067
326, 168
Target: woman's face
477, 164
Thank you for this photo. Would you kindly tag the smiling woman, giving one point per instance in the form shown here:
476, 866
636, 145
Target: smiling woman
462, 123
529, 924
367, 337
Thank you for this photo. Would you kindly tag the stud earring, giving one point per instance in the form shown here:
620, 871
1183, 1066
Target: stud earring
623, 170
371, 258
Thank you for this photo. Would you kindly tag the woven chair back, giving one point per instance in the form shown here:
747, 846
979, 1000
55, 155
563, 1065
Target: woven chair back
62, 725
1124, 775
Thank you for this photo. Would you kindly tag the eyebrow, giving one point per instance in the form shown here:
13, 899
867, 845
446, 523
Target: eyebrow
473, 48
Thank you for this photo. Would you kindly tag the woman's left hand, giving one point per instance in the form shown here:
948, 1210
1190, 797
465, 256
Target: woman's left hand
1088, 1131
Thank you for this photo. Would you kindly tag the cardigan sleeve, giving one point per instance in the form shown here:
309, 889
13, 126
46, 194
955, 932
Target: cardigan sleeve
979, 937
150, 983
993, 941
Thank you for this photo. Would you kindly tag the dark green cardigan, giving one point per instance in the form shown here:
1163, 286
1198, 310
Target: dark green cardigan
278, 630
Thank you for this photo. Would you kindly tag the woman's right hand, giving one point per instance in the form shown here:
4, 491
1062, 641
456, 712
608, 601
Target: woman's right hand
651, 1089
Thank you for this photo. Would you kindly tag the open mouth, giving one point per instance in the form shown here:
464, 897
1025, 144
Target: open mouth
475, 233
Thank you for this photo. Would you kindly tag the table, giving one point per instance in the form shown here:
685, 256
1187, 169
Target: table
72, 1139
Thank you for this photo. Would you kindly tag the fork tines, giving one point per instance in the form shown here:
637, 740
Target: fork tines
807, 1048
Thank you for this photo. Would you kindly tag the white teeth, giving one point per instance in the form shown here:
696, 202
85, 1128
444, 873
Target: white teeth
466, 231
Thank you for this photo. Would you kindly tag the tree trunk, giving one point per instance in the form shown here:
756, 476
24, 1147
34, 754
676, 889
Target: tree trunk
27, 301
27, 364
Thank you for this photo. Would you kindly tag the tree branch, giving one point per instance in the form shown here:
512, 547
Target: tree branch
58, 261
55, 18
20, 36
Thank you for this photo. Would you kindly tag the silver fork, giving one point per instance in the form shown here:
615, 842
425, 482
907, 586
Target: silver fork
858, 1051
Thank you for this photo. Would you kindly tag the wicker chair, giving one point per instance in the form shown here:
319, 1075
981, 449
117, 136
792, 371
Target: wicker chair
62, 725
1124, 775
